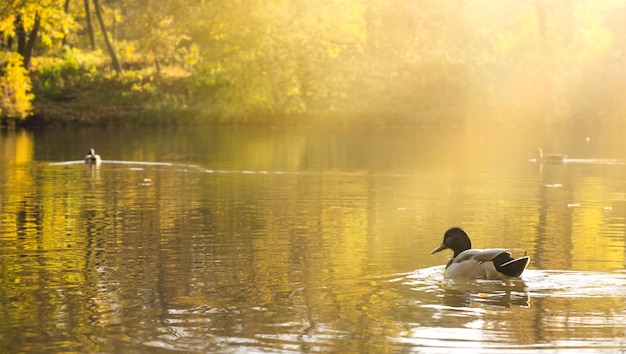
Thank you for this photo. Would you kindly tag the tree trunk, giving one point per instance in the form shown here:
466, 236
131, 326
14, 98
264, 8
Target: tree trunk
92, 38
116, 64
66, 8
26, 43
32, 37
20, 33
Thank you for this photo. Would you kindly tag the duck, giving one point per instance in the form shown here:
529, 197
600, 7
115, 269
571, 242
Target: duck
468, 263
549, 158
92, 158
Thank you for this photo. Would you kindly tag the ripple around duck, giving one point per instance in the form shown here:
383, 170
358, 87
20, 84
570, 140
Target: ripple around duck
587, 161
546, 311
553, 283
466, 293
537, 283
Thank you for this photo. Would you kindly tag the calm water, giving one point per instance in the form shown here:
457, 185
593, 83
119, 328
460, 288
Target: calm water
277, 240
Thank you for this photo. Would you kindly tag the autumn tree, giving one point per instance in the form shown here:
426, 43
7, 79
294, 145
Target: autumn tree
23, 26
15, 96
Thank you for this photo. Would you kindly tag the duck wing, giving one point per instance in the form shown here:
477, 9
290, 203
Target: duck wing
494, 263
481, 255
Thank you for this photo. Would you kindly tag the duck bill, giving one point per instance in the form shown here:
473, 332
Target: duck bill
439, 248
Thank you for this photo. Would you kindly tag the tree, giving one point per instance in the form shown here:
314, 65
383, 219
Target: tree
92, 38
29, 23
15, 98
114, 61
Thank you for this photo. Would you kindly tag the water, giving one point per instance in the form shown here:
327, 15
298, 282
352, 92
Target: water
300, 240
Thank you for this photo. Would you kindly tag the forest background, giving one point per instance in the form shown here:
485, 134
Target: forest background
346, 62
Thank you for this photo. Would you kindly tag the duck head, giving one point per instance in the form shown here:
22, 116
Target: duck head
455, 239
539, 153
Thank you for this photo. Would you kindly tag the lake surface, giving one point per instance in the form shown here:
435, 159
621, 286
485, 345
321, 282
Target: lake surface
308, 240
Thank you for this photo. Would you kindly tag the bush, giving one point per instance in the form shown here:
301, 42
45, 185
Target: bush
55, 78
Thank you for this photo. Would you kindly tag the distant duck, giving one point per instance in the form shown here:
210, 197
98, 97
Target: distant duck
469, 263
549, 158
92, 158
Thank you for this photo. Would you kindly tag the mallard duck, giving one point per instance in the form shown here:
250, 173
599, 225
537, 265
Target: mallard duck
92, 158
549, 158
495, 263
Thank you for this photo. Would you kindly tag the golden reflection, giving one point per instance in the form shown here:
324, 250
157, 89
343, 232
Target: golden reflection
18, 209
17, 146
589, 247
316, 253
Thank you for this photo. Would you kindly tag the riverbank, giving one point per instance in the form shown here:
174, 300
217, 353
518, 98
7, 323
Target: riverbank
79, 90
139, 99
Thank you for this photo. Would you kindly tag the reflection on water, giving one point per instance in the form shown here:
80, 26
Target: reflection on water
578, 310
309, 240
512, 294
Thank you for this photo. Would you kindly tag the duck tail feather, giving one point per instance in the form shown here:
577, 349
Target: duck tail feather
513, 267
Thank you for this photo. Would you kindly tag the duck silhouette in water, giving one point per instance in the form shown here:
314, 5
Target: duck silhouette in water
549, 158
93, 159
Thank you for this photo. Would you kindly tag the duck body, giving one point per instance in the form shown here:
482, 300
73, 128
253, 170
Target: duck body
468, 263
550, 158
92, 158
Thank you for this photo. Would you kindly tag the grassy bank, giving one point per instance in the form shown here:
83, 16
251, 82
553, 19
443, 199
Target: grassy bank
69, 94
79, 89
82, 91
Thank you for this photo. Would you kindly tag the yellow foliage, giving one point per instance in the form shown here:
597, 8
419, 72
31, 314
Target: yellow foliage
15, 96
